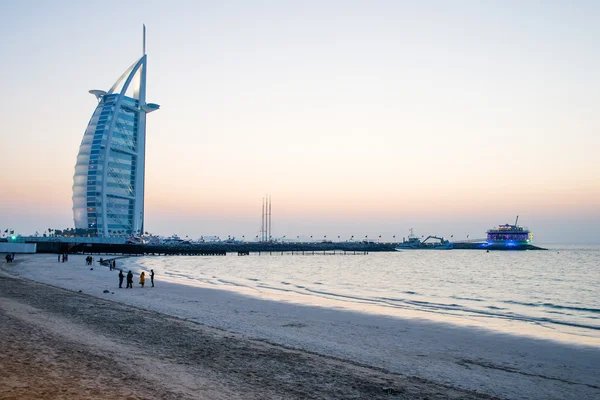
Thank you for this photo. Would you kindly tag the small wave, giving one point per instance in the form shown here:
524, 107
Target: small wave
551, 305
452, 308
274, 288
426, 304
229, 283
342, 296
466, 298
175, 274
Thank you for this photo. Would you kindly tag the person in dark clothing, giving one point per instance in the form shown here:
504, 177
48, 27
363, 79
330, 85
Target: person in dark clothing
152, 277
121, 276
129, 280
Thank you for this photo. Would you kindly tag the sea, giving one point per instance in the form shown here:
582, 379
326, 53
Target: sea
550, 294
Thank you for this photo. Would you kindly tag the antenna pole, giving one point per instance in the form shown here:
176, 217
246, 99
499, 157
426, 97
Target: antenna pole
270, 233
144, 40
517, 220
262, 222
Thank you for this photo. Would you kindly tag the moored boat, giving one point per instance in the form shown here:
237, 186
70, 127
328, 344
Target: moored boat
509, 236
414, 243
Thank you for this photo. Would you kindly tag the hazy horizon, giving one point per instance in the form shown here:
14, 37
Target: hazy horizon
357, 118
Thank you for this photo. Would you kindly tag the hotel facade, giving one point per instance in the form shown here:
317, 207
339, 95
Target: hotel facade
108, 184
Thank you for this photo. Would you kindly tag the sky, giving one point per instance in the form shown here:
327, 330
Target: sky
360, 118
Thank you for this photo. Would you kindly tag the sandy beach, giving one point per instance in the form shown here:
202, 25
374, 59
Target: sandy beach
179, 341
59, 344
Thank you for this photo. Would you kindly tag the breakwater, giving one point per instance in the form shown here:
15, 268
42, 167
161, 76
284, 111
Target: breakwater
214, 249
222, 248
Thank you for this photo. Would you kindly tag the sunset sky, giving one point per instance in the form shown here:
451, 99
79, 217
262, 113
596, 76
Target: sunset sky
357, 117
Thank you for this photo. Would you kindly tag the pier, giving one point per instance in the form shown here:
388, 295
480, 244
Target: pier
215, 249
73, 245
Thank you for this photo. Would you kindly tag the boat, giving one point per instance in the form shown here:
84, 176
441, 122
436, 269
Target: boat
414, 243
172, 241
509, 236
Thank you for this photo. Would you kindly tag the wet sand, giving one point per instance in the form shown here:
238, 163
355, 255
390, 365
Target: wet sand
58, 344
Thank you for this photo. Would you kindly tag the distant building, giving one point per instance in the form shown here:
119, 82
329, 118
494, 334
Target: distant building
108, 185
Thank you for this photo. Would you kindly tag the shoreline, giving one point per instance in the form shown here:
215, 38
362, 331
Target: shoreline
60, 344
468, 358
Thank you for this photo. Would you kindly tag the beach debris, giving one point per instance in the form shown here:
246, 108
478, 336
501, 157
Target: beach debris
80, 291
389, 390
91, 269
106, 291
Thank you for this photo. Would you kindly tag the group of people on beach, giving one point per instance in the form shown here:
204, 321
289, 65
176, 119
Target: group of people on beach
11, 257
64, 256
130, 279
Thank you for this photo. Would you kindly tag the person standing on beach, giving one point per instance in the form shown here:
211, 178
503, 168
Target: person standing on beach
142, 279
121, 276
129, 280
152, 277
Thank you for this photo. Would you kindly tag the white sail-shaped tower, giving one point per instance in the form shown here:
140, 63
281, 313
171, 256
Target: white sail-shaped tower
108, 185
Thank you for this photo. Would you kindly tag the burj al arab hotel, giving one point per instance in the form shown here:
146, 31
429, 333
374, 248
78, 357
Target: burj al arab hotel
108, 185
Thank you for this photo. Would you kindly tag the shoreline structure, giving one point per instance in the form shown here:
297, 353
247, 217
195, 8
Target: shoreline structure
335, 353
89, 245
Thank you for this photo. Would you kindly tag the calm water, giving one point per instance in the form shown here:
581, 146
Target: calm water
537, 292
